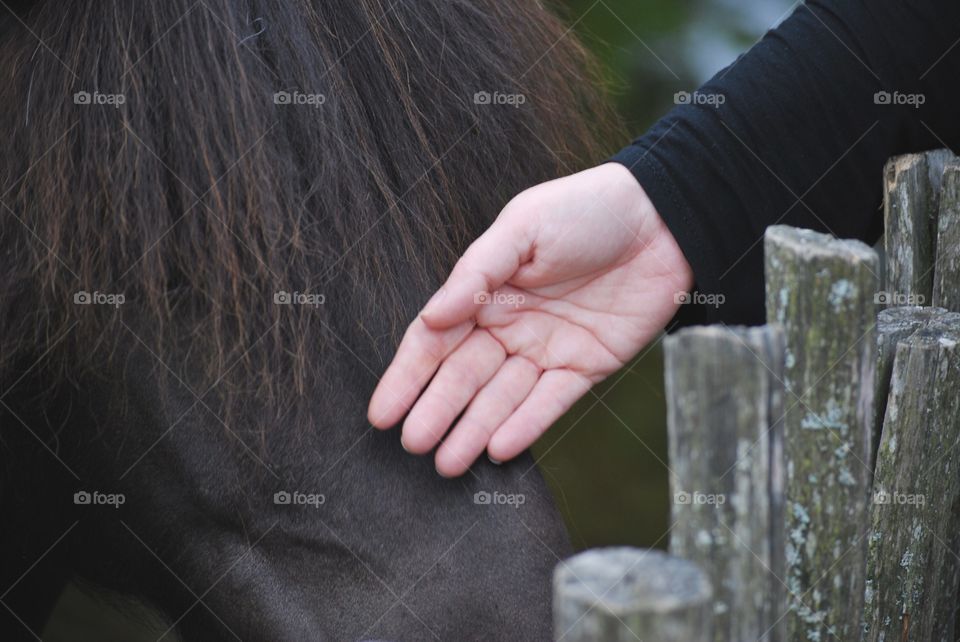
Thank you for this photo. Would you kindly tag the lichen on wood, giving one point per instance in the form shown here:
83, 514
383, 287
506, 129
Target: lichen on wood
822, 292
908, 229
912, 567
724, 390
893, 326
912, 188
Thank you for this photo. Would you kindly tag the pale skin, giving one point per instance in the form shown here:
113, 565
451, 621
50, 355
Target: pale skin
571, 281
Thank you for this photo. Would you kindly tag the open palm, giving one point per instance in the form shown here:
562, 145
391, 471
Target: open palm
573, 278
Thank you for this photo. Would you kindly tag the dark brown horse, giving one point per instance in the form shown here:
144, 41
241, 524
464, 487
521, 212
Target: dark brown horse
215, 219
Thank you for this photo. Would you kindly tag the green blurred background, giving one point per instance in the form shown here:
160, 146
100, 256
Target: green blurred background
606, 459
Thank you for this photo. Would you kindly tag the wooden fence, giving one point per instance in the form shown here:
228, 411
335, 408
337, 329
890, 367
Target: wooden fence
813, 460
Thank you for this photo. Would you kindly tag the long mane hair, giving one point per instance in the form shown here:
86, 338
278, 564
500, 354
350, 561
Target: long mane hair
251, 182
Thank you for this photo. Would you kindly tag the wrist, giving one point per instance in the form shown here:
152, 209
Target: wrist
652, 233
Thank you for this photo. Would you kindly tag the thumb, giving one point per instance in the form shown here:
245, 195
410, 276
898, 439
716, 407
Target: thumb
487, 264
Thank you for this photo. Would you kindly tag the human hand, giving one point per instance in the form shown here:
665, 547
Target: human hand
574, 277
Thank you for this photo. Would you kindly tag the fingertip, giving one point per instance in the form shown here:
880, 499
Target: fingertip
504, 446
498, 450
451, 463
446, 469
449, 311
385, 409
374, 419
404, 443
374, 416
434, 319
415, 442
435, 301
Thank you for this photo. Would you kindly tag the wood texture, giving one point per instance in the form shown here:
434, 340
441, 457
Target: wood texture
629, 594
946, 274
724, 391
821, 291
912, 188
893, 326
913, 570
909, 219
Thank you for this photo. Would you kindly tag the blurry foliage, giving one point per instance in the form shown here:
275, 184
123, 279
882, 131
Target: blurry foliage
651, 49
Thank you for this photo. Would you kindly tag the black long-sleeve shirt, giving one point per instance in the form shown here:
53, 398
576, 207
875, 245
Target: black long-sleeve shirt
797, 131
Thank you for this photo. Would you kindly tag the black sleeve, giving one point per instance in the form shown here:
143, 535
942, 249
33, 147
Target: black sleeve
797, 131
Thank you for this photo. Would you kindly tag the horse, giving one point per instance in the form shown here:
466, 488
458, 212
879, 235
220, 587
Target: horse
216, 217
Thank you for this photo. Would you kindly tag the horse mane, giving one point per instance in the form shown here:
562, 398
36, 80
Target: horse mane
199, 161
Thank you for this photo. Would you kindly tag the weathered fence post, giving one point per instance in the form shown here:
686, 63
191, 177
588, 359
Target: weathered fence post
630, 594
912, 188
912, 566
724, 416
779, 434
821, 291
893, 326
908, 219
946, 273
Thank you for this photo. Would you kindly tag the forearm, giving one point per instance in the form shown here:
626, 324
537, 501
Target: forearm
798, 137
